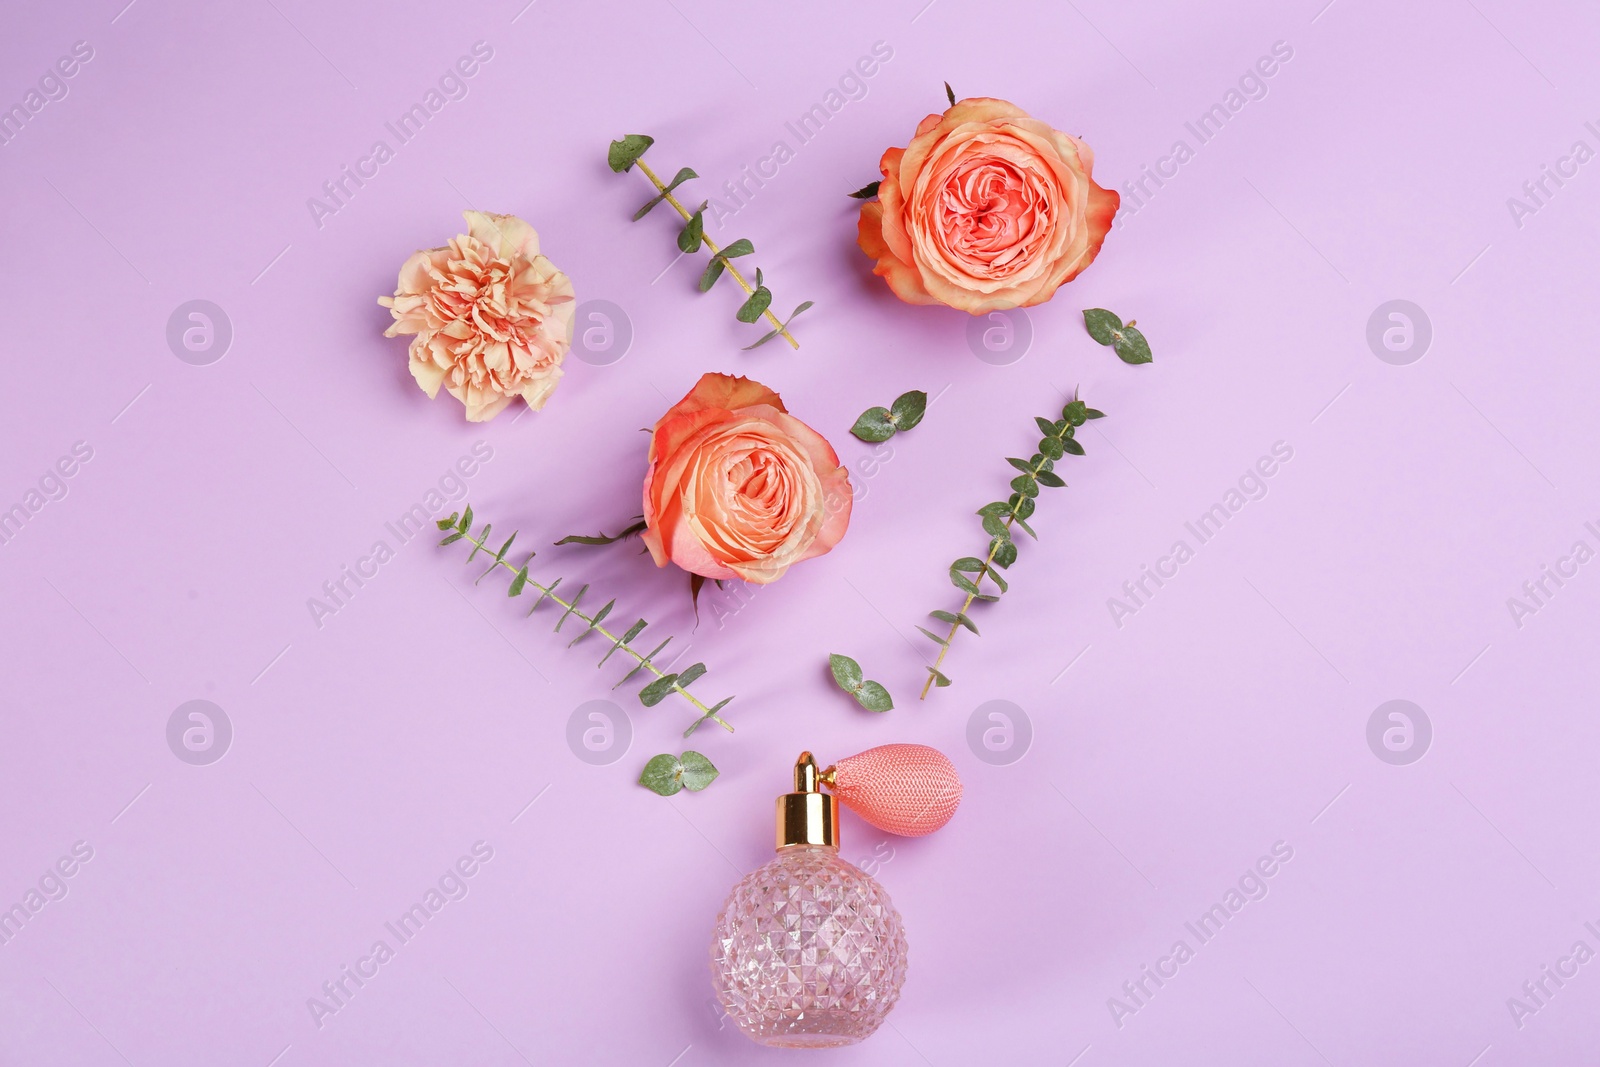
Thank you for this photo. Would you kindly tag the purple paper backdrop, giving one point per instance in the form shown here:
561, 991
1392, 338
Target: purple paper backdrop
1157, 751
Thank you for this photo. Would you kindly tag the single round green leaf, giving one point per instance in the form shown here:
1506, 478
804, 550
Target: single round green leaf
1025, 485
752, 309
873, 425
993, 525
874, 697
1024, 507
908, 408
970, 564
741, 247
1005, 554
693, 232
1100, 323
846, 672
626, 152
1051, 446
1131, 346
656, 691
662, 775
698, 772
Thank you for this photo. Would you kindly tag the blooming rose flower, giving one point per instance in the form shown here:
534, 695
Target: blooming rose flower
492, 317
738, 487
986, 209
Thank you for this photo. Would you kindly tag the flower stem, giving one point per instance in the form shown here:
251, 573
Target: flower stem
644, 661
709, 243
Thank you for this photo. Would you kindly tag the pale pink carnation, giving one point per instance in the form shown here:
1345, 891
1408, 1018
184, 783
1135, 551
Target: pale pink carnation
492, 318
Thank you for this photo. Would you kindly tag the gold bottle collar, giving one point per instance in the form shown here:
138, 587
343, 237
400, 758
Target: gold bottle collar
808, 816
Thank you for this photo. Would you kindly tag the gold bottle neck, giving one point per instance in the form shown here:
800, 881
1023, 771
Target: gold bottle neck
808, 816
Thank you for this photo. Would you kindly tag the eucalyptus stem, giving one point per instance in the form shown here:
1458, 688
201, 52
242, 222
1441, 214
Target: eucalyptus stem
623, 642
944, 649
783, 330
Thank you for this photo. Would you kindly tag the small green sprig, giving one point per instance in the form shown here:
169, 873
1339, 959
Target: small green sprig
666, 774
627, 153
1057, 440
664, 684
1128, 343
847, 675
880, 424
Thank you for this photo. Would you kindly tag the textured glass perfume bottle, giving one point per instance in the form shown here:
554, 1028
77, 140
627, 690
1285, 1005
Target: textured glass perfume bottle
808, 951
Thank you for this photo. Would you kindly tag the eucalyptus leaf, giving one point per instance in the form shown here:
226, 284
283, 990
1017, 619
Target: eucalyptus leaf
1131, 346
931, 636
874, 697
518, 582
1021, 464
689, 674
846, 672
1101, 324
1046, 427
993, 525
752, 309
938, 679
1025, 485
1072, 446
693, 232
453, 538
1091, 413
465, 522
697, 771
1005, 553
908, 409
741, 247
663, 775
1052, 480
955, 618
874, 425
713, 271
970, 564
657, 691
623, 154
445, 524
1052, 447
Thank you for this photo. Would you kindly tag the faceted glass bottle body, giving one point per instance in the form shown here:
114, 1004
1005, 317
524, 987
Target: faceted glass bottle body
808, 951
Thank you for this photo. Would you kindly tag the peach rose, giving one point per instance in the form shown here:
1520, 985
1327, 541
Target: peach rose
987, 209
739, 488
492, 318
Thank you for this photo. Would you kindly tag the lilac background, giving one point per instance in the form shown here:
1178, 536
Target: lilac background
1228, 714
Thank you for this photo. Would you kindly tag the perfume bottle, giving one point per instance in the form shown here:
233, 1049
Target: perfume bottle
808, 951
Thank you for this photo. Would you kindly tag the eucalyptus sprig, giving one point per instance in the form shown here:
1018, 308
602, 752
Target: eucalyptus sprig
998, 519
664, 684
666, 774
880, 424
1107, 328
847, 676
626, 154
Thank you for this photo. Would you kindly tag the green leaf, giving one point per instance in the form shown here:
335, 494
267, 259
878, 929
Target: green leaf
997, 508
1024, 508
710, 712
637, 667
594, 622
846, 672
938, 679
1025, 485
1005, 553
603, 538
1052, 480
657, 691
1026, 528
955, 618
1091, 413
866, 192
663, 775
478, 545
465, 522
965, 584
445, 524
572, 606
874, 425
1101, 324
698, 772
1046, 427
687, 676
758, 302
950, 93
935, 638
453, 538
970, 564
908, 409
999, 582
1131, 347
1074, 412
1051, 447
682, 176
713, 271
1021, 464
693, 232
625, 153
741, 247
874, 697
518, 582
633, 631
994, 526
1072, 446
770, 334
